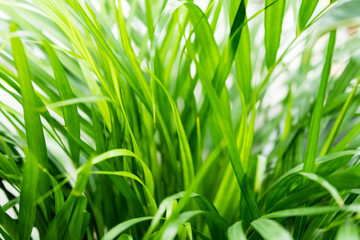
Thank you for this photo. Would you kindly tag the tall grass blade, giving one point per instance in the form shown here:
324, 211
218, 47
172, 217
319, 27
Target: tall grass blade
33, 179
314, 130
71, 115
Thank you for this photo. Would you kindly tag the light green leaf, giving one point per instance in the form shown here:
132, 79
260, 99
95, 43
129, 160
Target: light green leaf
274, 15
307, 9
332, 190
236, 232
118, 229
314, 130
348, 230
270, 230
71, 116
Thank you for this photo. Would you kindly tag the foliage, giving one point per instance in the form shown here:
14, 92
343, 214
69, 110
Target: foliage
179, 120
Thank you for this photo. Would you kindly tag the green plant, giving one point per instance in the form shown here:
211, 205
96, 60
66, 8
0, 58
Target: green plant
179, 120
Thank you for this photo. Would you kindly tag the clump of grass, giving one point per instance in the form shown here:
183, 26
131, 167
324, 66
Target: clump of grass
179, 120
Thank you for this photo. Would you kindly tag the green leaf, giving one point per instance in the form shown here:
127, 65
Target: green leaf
4, 234
28, 195
236, 232
347, 139
270, 230
124, 152
274, 15
232, 149
118, 229
125, 236
243, 63
71, 116
77, 218
171, 231
7, 166
9, 163
9, 224
60, 224
332, 190
314, 130
33, 179
304, 211
307, 9
329, 141
58, 194
348, 230
153, 207
34, 132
